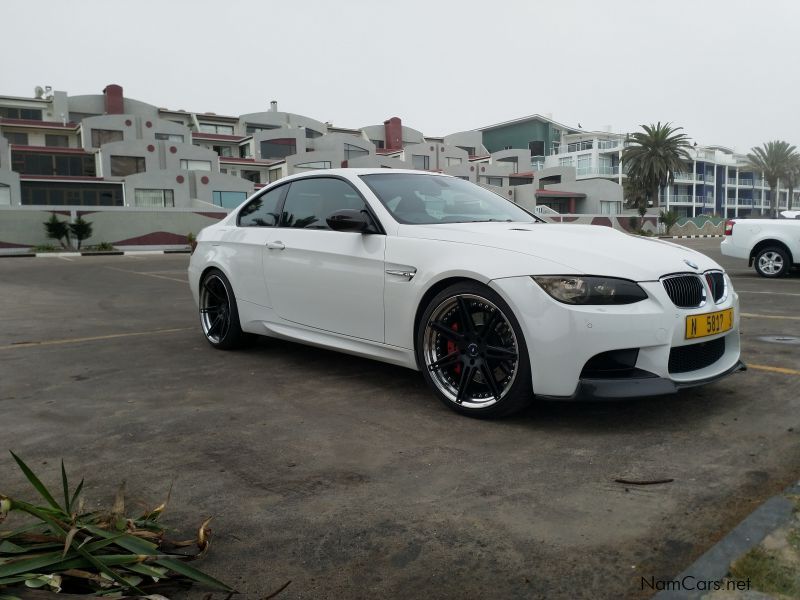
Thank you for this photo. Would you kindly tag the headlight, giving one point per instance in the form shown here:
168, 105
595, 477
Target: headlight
590, 290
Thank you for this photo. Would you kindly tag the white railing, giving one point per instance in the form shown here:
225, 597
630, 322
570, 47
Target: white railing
544, 210
746, 182
580, 146
731, 180
710, 178
608, 144
602, 170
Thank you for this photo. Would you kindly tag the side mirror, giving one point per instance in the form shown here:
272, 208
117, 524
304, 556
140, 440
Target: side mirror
350, 220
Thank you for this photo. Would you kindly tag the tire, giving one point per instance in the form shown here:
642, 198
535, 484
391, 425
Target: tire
772, 262
219, 316
477, 366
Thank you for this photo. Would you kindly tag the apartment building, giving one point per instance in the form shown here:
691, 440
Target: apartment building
716, 180
110, 150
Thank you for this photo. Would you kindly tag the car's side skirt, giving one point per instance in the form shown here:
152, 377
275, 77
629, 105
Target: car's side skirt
275, 327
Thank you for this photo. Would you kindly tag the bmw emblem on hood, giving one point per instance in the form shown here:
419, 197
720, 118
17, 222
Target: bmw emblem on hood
690, 263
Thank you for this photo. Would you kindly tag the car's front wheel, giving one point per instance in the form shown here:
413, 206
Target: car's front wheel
471, 351
772, 262
219, 316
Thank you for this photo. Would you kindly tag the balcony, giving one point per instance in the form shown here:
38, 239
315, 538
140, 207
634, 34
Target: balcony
580, 146
608, 144
602, 171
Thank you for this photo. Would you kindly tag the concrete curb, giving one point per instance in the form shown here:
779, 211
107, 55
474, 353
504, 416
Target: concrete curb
715, 563
90, 253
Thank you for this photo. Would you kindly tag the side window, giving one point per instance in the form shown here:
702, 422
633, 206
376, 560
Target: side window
262, 211
310, 201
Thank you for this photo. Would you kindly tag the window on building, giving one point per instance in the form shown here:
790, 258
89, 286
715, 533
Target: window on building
63, 193
154, 198
421, 161
496, 181
254, 176
244, 151
506, 147
278, 148
225, 151
263, 210
228, 199
351, 152
11, 112
195, 165
536, 147
468, 149
378, 143
274, 175
13, 137
312, 133
311, 166
256, 128
452, 162
310, 201
216, 128
105, 136
566, 161
43, 163
610, 208
584, 164
5, 195
122, 166
57, 141
170, 137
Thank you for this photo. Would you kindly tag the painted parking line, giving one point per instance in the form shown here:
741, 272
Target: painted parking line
93, 338
755, 316
149, 275
781, 370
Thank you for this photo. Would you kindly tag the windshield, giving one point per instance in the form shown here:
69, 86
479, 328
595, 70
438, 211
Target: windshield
428, 199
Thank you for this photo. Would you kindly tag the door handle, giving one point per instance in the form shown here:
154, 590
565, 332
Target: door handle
275, 245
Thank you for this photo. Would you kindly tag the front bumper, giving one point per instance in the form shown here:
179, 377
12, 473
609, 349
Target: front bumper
561, 339
647, 384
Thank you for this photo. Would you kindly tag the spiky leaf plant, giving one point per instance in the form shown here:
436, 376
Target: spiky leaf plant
63, 547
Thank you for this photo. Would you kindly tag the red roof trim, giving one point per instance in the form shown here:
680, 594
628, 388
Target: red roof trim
64, 178
49, 149
35, 123
556, 194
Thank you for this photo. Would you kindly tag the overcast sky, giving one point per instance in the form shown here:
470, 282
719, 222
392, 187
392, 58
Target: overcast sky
725, 70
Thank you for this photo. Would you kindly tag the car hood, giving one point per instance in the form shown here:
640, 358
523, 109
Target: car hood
589, 249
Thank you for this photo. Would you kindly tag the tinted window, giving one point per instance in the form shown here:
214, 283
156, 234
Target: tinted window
310, 201
436, 199
262, 211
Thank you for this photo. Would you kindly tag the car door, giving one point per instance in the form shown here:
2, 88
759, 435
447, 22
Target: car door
243, 246
329, 280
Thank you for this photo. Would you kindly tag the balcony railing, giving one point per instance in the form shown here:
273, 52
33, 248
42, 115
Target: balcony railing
579, 146
608, 144
604, 171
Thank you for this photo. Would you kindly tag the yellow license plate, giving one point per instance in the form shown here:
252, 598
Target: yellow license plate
698, 326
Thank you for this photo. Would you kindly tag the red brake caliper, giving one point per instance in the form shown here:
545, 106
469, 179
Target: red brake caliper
451, 347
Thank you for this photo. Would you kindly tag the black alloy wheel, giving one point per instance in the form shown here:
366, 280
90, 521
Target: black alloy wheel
472, 352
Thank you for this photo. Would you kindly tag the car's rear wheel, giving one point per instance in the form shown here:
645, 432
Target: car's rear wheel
472, 353
772, 262
219, 316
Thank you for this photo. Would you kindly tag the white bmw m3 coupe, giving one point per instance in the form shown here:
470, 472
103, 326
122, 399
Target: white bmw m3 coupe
493, 305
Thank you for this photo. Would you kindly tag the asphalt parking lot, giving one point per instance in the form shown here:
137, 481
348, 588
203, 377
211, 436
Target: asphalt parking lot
347, 477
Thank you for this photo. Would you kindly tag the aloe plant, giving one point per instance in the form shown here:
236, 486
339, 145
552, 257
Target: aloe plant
62, 547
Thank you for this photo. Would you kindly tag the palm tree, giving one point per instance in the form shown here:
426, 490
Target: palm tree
654, 155
774, 160
792, 177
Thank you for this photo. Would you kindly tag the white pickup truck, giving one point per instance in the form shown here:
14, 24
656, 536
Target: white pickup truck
771, 245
